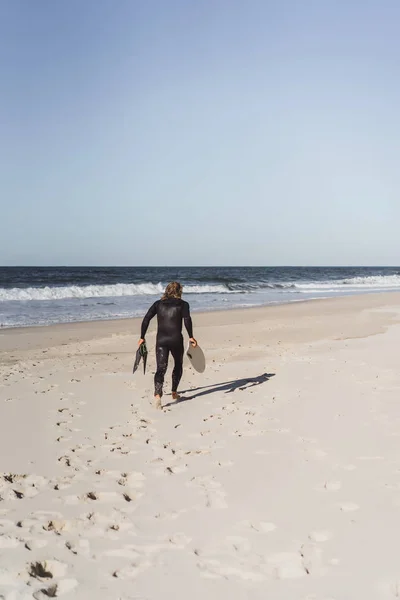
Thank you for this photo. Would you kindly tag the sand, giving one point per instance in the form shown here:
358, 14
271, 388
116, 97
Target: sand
277, 477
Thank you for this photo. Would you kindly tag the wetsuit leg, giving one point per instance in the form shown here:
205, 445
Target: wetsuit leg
162, 364
177, 353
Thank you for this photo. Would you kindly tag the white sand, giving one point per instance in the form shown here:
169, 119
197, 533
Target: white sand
277, 479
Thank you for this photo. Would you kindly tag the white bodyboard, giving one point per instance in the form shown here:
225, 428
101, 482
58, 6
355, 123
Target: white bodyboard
196, 358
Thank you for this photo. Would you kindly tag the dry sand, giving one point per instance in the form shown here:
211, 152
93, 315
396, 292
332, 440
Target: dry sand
276, 478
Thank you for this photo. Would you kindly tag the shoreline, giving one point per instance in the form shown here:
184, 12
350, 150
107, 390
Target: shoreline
46, 336
194, 311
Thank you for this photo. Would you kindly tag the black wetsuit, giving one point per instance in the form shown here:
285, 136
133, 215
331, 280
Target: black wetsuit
170, 314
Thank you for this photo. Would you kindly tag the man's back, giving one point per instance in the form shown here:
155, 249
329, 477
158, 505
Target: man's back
170, 313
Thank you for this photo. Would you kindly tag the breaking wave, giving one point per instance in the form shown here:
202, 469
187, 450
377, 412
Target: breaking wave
373, 282
101, 291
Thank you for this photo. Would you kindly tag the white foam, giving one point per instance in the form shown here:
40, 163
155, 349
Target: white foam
101, 291
374, 282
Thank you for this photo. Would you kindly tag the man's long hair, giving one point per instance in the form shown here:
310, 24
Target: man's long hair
173, 290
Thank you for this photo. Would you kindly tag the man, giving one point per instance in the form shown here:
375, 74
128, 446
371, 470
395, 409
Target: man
171, 310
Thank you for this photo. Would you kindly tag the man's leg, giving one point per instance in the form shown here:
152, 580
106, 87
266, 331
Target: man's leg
162, 364
177, 353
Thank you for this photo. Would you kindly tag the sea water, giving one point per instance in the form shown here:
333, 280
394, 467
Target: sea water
47, 295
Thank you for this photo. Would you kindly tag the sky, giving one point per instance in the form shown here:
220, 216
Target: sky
215, 132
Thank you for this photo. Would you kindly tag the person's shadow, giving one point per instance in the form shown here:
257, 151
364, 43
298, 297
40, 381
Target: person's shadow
227, 387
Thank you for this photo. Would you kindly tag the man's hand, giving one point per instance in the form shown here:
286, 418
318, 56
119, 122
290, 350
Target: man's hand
140, 342
193, 342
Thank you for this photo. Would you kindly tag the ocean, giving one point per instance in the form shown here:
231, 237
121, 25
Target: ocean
48, 295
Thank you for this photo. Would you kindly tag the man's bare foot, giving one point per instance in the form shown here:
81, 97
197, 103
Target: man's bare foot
157, 401
175, 396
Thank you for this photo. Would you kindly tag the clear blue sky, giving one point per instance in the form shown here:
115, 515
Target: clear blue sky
199, 132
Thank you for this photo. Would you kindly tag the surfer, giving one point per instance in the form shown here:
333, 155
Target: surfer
171, 310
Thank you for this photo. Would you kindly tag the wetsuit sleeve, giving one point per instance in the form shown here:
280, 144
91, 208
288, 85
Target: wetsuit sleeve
146, 321
187, 319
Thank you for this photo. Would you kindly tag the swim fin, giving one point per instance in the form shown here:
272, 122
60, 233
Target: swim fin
141, 352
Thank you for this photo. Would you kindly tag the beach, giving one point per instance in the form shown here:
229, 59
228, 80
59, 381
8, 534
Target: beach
276, 476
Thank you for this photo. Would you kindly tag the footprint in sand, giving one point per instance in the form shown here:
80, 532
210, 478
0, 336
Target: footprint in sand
260, 527
113, 520
131, 496
173, 470
224, 464
62, 483
239, 544
19, 486
133, 479
47, 569
349, 506
178, 541
73, 462
132, 571
64, 586
239, 561
143, 556
107, 497
306, 440
106, 473
12, 494
330, 486
8, 542
63, 423
311, 556
118, 449
80, 547
349, 467
214, 494
320, 536
286, 565
58, 526
102, 496
63, 438
82, 448
35, 544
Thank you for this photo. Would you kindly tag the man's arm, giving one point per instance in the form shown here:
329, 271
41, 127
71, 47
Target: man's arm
187, 319
146, 321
